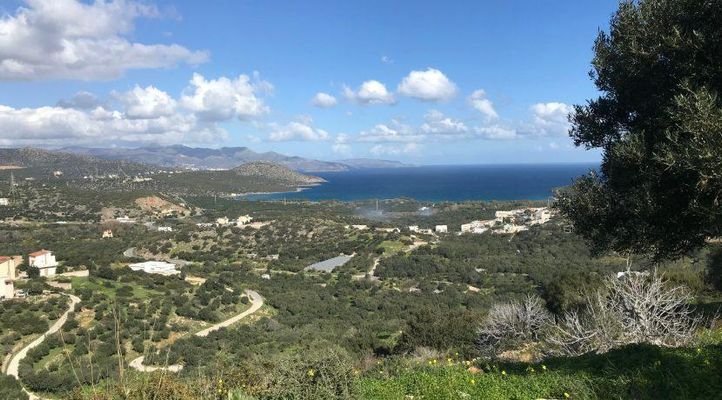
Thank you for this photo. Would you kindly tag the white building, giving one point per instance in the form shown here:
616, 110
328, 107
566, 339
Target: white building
4, 201
108, 233
125, 220
223, 221
441, 229
477, 226
413, 228
44, 260
8, 271
360, 227
243, 220
165, 229
155, 267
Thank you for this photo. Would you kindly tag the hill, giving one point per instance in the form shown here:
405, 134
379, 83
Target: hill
43, 164
179, 156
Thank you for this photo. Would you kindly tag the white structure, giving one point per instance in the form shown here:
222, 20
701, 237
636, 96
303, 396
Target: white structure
44, 260
125, 220
243, 220
477, 226
8, 271
204, 225
413, 228
4, 201
441, 229
223, 221
165, 229
108, 233
360, 227
266, 276
155, 267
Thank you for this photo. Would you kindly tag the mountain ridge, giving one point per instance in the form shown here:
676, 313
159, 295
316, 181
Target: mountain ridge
180, 156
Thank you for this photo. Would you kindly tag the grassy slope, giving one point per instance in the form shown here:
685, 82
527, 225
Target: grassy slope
634, 372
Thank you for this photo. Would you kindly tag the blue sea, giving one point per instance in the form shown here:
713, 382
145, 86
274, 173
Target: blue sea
441, 183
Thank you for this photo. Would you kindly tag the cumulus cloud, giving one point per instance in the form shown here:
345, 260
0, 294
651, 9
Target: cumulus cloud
394, 131
50, 39
394, 150
341, 145
439, 125
370, 92
496, 132
81, 101
223, 98
297, 131
138, 116
146, 103
323, 100
429, 85
480, 103
550, 119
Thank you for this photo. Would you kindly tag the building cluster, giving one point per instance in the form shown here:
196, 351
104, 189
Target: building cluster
509, 222
43, 260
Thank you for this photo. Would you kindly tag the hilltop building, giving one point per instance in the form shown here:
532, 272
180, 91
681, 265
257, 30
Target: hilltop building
222, 221
44, 260
108, 233
441, 229
155, 267
8, 272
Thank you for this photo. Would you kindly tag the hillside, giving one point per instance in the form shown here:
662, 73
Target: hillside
42, 164
179, 156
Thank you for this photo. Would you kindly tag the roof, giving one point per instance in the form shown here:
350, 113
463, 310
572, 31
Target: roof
330, 264
39, 253
4, 258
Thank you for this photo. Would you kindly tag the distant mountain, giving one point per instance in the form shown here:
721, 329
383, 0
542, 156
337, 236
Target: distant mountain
179, 156
277, 172
363, 163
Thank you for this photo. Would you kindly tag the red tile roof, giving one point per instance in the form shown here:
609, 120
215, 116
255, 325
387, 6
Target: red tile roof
39, 253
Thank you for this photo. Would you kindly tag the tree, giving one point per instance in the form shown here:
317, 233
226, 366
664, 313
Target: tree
658, 123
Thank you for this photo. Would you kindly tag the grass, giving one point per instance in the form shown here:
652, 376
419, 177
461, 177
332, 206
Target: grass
633, 372
109, 288
392, 246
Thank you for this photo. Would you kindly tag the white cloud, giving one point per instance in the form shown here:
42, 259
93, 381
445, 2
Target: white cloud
480, 103
297, 131
341, 145
438, 125
550, 119
429, 85
49, 39
394, 150
141, 115
146, 103
323, 100
394, 131
496, 132
387, 60
370, 92
223, 98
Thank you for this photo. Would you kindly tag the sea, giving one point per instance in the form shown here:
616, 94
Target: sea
441, 183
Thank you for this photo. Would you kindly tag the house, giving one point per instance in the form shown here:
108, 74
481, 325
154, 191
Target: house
477, 226
4, 201
155, 267
413, 228
360, 227
125, 220
44, 260
8, 271
165, 229
441, 229
204, 225
243, 220
223, 221
108, 233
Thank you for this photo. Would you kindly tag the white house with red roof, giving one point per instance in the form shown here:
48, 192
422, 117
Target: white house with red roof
44, 260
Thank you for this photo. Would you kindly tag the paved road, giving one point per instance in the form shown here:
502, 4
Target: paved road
19, 356
256, 304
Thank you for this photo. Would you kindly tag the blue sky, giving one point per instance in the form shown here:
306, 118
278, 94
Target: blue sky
418, 81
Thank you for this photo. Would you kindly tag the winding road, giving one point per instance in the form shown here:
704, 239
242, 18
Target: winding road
14, 364
256, 304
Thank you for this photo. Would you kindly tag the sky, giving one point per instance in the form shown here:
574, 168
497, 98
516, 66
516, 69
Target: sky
442, 82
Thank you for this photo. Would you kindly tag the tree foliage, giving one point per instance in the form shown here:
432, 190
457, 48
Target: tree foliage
658, 122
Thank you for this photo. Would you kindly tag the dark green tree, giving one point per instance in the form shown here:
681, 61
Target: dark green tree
658, 122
